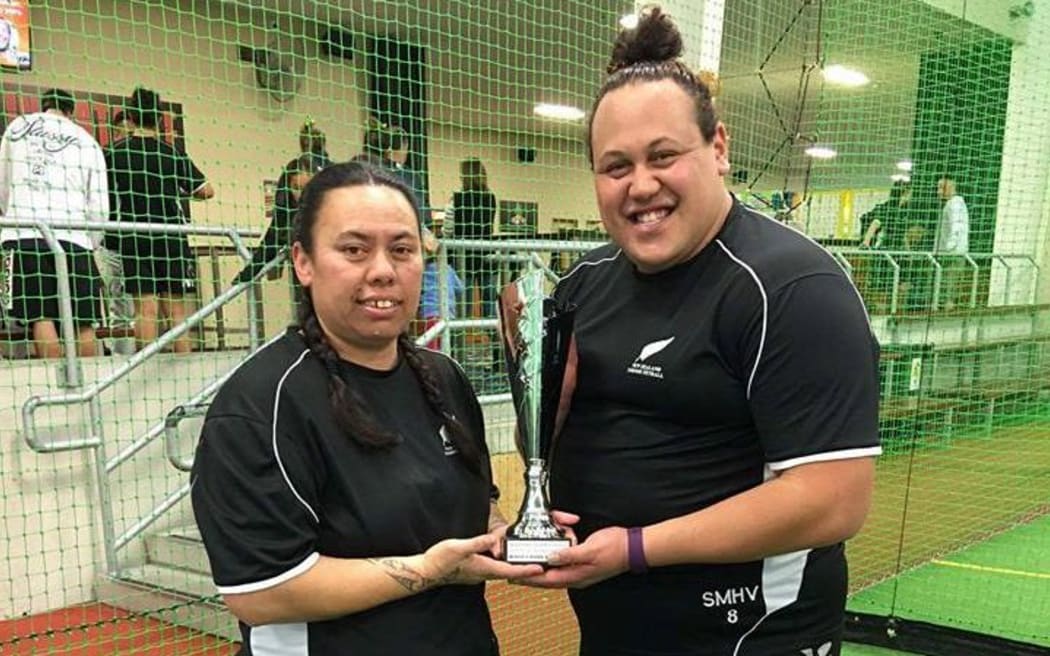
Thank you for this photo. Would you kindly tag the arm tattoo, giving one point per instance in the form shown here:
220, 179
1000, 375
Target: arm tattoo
408, 578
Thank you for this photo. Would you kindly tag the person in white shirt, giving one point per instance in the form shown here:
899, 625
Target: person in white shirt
953, 238
51, 171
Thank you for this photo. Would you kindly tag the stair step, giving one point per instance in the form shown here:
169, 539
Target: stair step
171, 595
180, 548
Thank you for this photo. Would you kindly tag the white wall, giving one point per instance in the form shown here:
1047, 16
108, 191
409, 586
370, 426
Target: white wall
1023, 212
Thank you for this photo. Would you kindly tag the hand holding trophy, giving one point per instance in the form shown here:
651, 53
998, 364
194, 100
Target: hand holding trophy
536, 335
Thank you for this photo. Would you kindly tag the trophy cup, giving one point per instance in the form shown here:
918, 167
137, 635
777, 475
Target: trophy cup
536, 336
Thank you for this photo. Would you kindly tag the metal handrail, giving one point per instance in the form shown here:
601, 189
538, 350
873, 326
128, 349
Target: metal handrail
169, 425
171, 431
895, 290
938, 277
72, 375
34, 402
1009, 279
129, 226
970, 258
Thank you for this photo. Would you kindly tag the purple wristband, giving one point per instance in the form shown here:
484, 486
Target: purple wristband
636, 551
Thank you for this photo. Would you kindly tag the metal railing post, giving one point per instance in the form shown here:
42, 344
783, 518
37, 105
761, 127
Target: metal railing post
936, 300
1035, 278
254, 339
105, 498
895, 289
974, 283
444, 313
71, 375
1008, 281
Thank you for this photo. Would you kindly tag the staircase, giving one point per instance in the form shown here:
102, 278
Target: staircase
174, 585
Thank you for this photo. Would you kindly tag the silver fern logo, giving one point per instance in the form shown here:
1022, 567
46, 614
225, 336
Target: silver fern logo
449, 448
640, 366
822, 650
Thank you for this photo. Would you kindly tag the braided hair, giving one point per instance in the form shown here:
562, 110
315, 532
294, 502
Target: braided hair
349, 407
650, 52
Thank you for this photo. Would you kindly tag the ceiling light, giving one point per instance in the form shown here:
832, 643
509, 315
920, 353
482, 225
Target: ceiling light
900, 177
821, 152
845, 76
560, 112
904, 165
629, 21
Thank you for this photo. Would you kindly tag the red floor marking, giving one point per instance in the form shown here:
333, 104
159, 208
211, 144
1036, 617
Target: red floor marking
100, 630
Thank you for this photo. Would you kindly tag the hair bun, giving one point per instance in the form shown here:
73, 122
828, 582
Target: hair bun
144, 99
655, 39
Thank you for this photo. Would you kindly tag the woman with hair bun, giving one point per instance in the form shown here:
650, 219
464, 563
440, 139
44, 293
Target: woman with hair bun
722, 410
148, 181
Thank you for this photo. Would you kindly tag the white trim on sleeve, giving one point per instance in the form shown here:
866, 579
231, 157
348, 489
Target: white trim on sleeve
827, 456
266, 584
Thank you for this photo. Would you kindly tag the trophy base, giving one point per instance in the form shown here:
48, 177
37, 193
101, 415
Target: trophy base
520, 551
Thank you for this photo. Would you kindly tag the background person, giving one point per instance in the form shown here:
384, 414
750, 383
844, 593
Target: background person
313, 156
387, 146
359, 458
722, 415
52, 170
471, 215
149, 180
430, 302
953, 238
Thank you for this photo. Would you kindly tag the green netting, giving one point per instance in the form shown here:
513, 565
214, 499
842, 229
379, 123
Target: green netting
97, 547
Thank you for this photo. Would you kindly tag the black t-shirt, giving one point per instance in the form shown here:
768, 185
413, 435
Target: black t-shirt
278, 234
275, 484
148, 182
696, 384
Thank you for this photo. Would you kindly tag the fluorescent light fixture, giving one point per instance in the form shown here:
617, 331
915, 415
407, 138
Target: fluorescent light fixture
845, 76
821, 152
904, 165
900, 177
629, 21
560, 112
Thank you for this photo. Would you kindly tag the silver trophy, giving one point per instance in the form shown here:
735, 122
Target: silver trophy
536, 335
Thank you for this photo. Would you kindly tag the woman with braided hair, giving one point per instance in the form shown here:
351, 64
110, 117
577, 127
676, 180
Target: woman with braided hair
722, 417
341, 483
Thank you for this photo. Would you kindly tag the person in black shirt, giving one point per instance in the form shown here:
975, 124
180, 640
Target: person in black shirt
883, 226
722, 411
471, 214
387, 146
341, 482
148, 181
313, 156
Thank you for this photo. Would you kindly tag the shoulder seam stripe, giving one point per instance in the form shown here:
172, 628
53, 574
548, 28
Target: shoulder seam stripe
765, 312
595, 263
276, 451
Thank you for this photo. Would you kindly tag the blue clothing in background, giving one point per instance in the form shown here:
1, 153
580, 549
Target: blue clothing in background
429, 303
